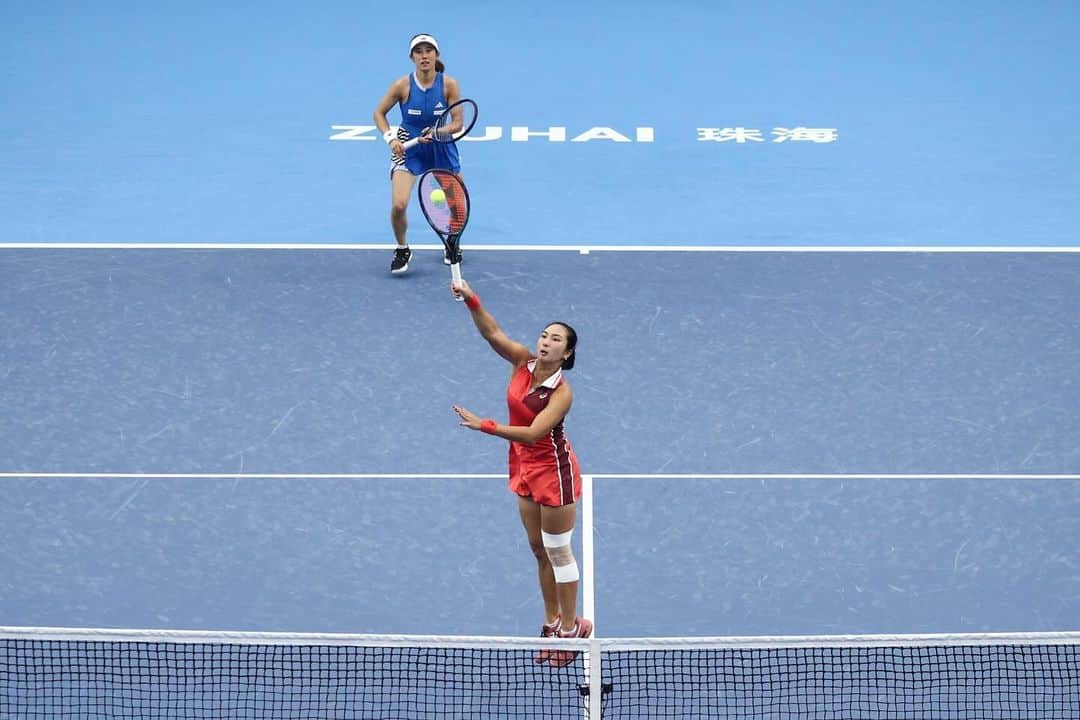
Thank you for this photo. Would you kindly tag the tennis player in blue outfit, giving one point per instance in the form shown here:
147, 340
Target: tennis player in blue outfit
421, 96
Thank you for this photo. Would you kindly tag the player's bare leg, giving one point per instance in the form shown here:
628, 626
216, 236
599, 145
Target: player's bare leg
557, 527
530, 518
401, 185
557, 521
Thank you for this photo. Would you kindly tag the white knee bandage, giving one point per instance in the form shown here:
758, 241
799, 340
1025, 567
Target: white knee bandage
561, 555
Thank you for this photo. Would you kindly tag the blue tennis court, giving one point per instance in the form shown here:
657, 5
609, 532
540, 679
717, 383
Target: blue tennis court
826, 379
236, 363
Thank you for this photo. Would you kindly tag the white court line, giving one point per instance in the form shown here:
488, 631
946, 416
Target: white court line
588, 587
259, 476
583, 249
502, 476
835, 476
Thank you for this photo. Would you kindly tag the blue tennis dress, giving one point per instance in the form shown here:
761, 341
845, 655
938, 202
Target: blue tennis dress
418, 112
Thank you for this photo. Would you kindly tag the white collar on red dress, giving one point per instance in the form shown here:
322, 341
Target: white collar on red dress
553, 381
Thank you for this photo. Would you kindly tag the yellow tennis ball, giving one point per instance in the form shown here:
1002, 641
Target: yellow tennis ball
438, 196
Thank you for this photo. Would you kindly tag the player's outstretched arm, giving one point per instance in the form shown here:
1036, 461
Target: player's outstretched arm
510, 350
541, 426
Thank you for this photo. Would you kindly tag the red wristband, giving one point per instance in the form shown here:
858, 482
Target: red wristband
487, 425
472, 302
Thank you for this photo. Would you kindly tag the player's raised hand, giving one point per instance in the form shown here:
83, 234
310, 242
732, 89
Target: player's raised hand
461, 290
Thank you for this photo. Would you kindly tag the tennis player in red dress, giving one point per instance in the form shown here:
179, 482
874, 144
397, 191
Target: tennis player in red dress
544, 471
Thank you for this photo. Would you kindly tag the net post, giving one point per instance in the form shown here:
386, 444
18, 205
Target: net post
596, 689
588, 600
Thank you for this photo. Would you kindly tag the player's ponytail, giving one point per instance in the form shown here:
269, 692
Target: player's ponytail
439, 67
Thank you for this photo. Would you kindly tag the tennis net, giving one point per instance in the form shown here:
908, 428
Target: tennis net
51, 672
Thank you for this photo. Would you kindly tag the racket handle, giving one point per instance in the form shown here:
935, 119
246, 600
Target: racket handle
455, 277
413, 142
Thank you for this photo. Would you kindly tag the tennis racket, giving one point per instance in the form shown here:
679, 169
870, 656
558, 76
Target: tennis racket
445, 203
454, 123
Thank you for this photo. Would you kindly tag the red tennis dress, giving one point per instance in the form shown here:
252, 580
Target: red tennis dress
546, 471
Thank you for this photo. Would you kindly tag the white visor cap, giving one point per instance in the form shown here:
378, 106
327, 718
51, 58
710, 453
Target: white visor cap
423, 39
